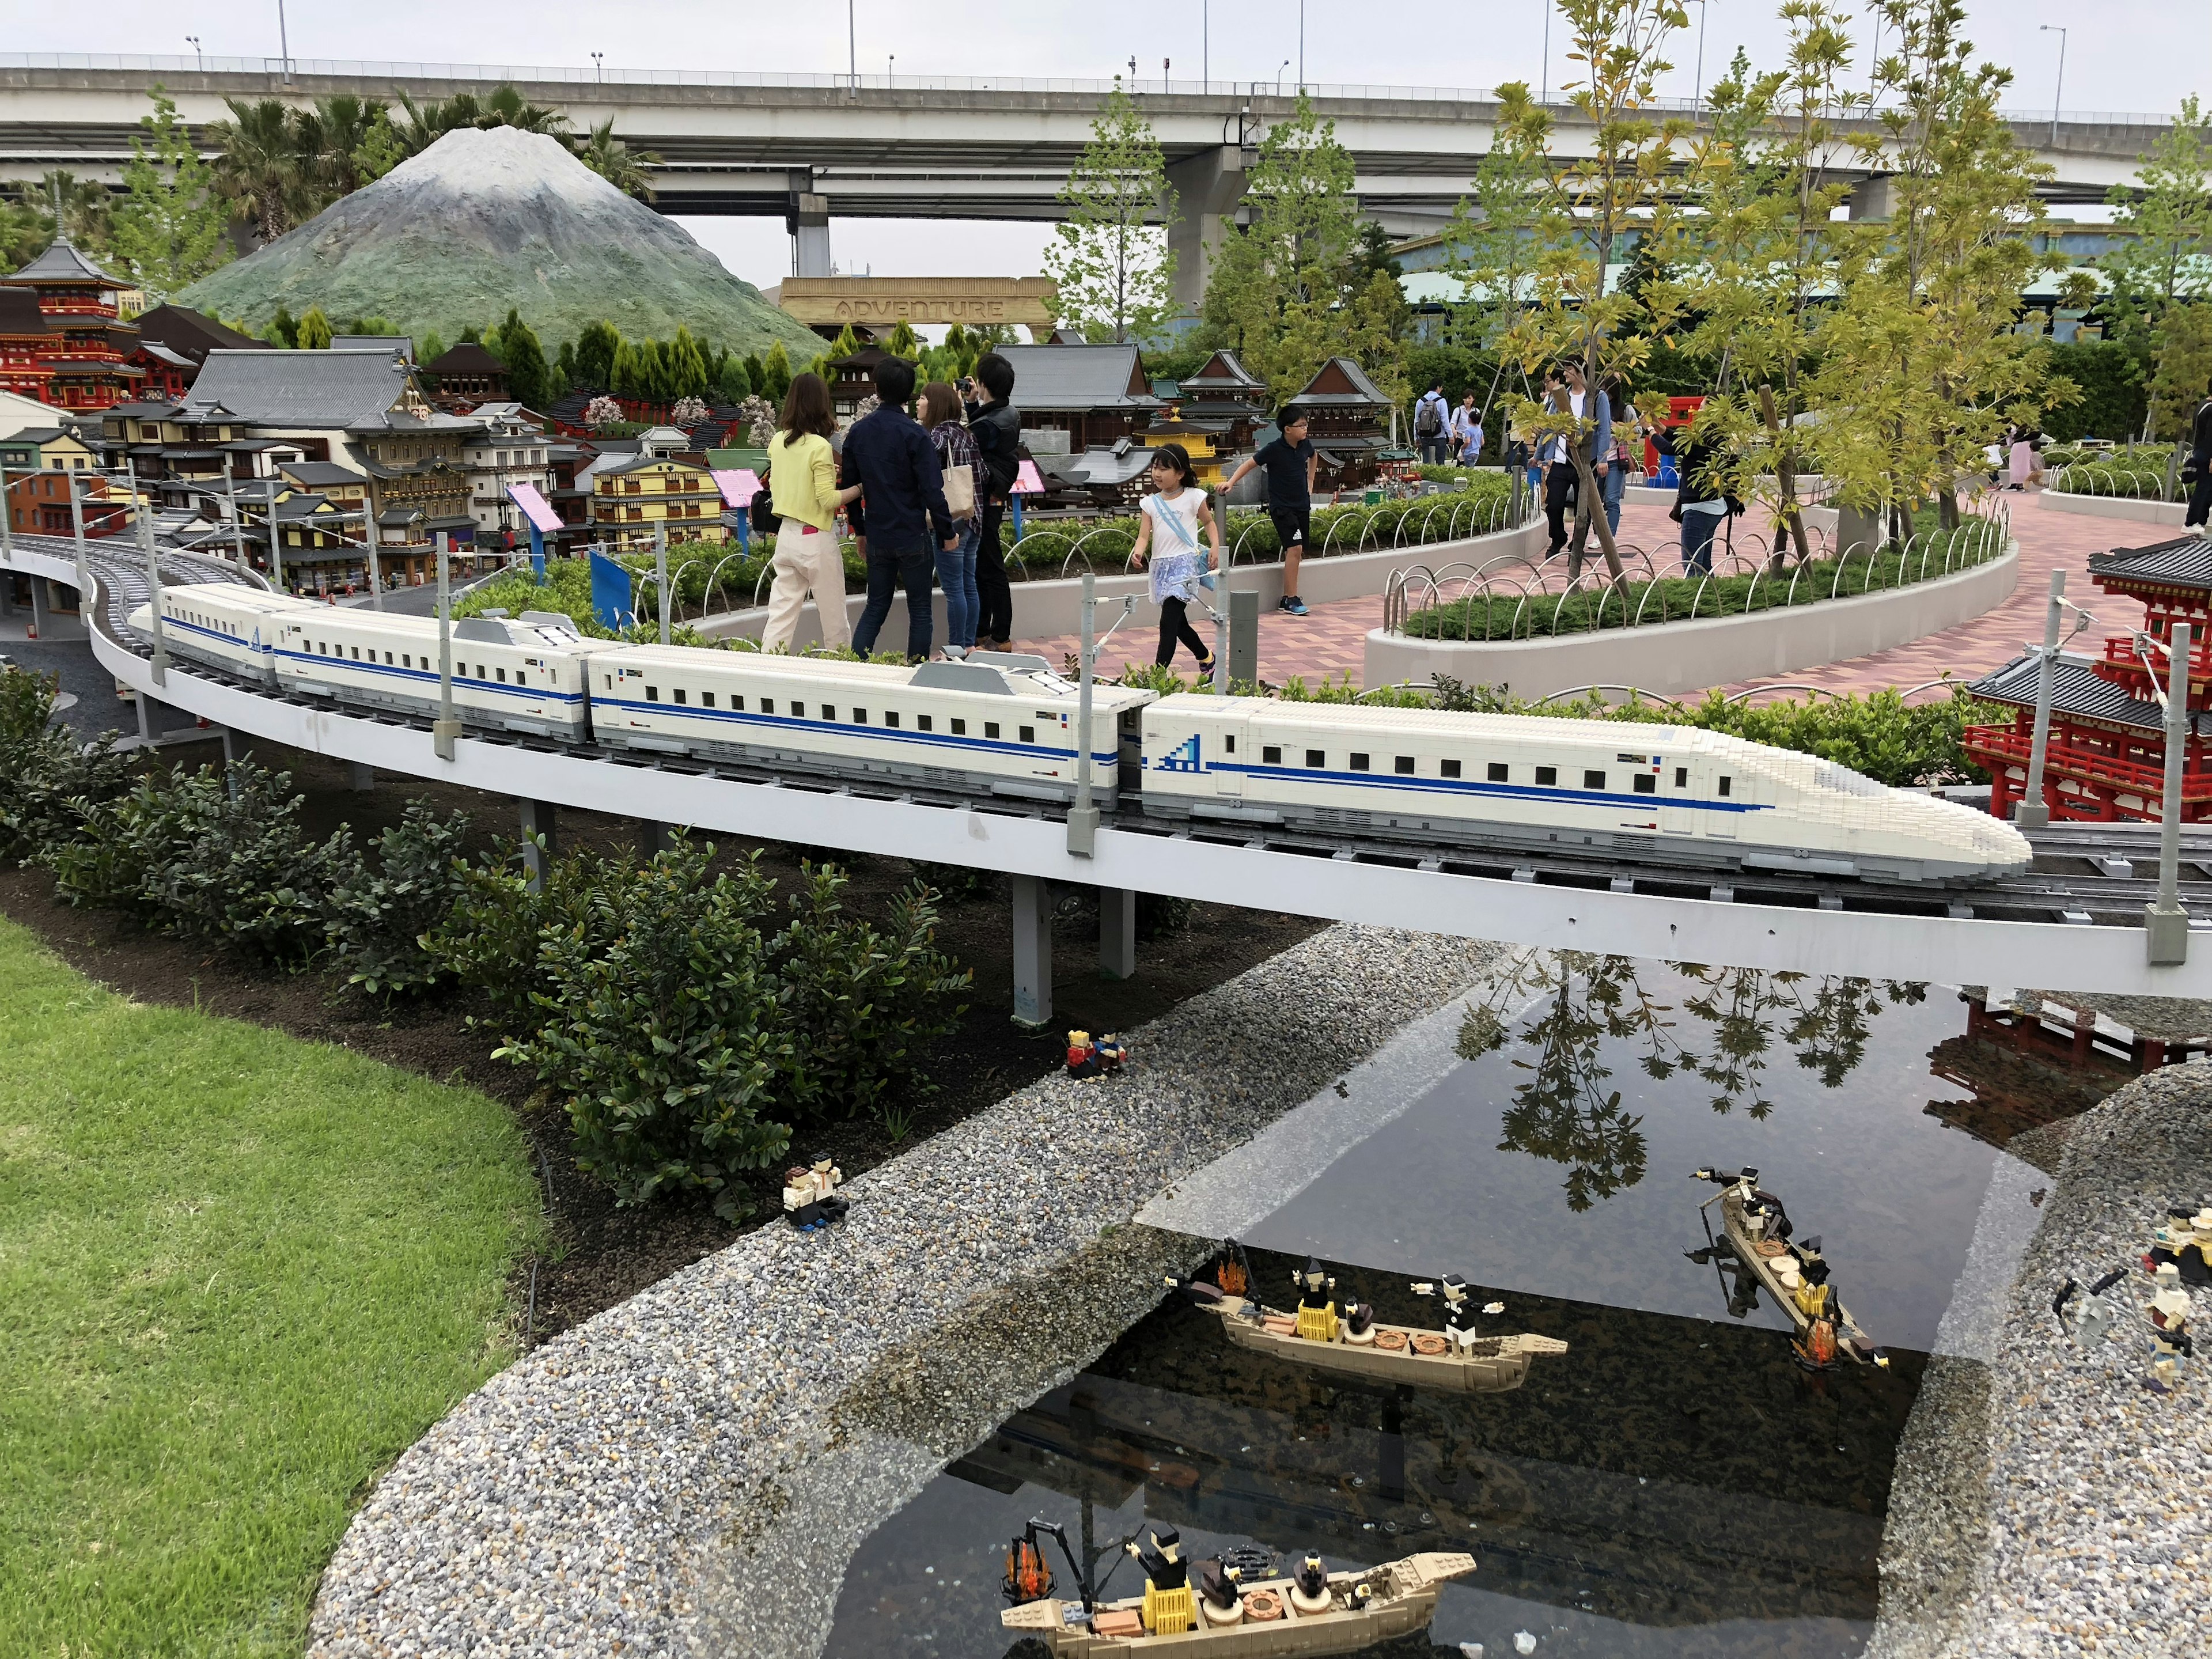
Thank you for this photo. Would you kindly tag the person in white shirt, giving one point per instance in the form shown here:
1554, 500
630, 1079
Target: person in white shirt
1560, 478
1467, 431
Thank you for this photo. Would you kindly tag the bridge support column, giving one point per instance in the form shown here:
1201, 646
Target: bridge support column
540, 839
1874, 199
1117, 933
1208, 187
658, 836
1033, 950
42, 617
144, 703
361, 777
6, 593
807, 219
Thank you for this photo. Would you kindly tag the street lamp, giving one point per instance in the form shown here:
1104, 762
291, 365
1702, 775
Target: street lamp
2058, 95
284, 42
1698, 96
1301, 46
1280, 68
199, 61
1543, 77
600, 64
891, 69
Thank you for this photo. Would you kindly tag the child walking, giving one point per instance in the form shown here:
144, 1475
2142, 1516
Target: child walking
1176, 513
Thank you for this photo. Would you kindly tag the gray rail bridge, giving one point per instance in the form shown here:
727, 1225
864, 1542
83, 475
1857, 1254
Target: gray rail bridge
812, 148
2073, 923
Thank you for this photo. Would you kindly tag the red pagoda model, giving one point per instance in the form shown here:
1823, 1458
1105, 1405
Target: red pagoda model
62, 337
2105, 760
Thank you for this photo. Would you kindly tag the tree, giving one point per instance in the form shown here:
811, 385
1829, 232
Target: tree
1588, 211
2166, 264
687, 375
332, 139
775, 378
616, 162
755, 371
380, 149
87, 208
1113, 274
25, 233
904, 341
422, 126
259, 168
528, 381
597, 347
735, 384
170, 229
314, 330
283, 328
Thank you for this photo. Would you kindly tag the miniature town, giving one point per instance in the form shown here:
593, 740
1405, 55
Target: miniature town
1084, 835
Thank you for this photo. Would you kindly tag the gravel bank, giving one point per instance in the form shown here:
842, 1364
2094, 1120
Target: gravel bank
2044, 1504
728, 1437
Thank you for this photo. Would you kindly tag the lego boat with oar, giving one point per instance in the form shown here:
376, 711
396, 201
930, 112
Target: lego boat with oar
1233, 1605
1347, 1339
1757, 1232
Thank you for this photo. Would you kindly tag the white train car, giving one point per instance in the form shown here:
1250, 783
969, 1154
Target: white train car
1669, 794
999, 723
513, 674
228, 625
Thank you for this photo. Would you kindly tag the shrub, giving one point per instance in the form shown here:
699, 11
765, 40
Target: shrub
119, 842
48, 779
494, 936
380, 921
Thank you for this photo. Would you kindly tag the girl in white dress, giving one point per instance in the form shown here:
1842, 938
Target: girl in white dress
1175, 516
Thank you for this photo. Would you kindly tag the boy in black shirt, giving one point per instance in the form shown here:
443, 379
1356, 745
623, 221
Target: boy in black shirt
1290, 463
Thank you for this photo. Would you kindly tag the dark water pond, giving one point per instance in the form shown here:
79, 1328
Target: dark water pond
1674, 1484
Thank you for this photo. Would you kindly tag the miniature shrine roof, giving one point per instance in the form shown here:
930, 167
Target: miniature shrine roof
62, 263
19, 313
1222, 372
2183, 562
2076, 690
1060, 378
189, 333
1342, 381
310, 389
467, 358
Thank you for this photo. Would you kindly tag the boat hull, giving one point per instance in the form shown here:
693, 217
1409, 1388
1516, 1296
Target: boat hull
1490, 1364
1746, 1250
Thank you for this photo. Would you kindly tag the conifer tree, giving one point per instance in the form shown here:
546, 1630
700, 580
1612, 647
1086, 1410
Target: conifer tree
597, 347
904, 341
314, 330
528, 381
775, 374
171, 229
1113, 274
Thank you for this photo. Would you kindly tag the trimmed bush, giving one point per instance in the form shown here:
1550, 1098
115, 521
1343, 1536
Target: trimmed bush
48, 778
379, 919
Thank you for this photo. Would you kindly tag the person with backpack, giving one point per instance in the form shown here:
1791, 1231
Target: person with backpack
1433, 424
965, 487
996, 426
2197, 472
803, 484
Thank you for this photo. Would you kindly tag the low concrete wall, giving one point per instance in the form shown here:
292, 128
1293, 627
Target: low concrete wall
1055, 606
1676, 657
2116, 507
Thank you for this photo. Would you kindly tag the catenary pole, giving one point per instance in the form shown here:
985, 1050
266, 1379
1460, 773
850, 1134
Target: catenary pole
154, 604
446, 727
2034, 813
2166, 924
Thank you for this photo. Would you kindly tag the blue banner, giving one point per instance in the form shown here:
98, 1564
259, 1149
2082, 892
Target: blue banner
612, 600
537, 553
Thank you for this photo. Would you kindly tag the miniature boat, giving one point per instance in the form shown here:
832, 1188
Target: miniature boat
1351, 1342
1267, 1618
1795, 1274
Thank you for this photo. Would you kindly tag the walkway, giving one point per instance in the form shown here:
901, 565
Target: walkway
1331, 642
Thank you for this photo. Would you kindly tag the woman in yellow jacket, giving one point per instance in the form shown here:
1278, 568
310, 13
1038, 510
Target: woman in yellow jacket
802, 476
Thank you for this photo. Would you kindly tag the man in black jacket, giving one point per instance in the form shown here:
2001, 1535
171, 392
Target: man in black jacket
2200, 459
997, 428
890, 456
1699, 503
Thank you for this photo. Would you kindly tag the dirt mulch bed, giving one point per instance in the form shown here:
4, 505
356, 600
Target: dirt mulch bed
600, 1255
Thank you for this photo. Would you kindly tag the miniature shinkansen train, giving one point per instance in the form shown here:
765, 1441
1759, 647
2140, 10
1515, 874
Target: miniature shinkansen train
1004, 723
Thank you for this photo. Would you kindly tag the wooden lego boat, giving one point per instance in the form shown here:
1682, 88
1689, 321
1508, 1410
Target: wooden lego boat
1777, 1265
1394, 1354
1400, 1599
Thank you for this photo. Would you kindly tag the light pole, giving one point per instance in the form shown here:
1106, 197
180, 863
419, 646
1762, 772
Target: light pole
199, 62
1280, 68
284, 42
1301, 46
1544, 76
599, 66
891, 70
1204, 43
2058, 94
1874, 61
852, 53
1698, 95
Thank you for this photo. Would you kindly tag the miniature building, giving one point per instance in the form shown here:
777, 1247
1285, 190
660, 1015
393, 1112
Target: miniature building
509, 449
630, 497
1097, 394
852, 380
468, 374
2107, 754
402, 344
1348, 421
1197, 440
38, 502
62, 337
1226, 398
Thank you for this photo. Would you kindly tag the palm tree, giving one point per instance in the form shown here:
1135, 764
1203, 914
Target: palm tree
506, 108
332, 134
258, 167
616, 162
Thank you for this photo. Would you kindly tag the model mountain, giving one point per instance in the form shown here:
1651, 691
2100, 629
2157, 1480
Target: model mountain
488, 219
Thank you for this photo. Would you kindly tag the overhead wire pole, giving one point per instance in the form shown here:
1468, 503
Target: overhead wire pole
446, 728
2166, 924
2034, 813
2059, 93
154, 603
660, 574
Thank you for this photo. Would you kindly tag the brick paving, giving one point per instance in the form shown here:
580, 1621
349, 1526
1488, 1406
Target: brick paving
1331, 640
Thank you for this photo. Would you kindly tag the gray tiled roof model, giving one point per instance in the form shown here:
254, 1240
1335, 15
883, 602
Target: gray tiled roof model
2076, 689
1341, 380
312, 389
1078, 377
1223, 371
2184, 562
62, 263
318, 475
403, 343
467, 358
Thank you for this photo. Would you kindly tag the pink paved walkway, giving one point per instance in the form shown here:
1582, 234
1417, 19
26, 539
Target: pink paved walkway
1331, 640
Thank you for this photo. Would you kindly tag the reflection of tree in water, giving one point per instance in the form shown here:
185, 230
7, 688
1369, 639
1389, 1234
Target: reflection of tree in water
1563, 1110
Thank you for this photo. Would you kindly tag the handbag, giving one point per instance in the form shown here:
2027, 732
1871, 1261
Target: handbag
960, 491
762, 511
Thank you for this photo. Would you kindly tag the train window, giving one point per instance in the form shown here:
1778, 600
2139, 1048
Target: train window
1405, 766
859, 717
1593, 779
1681, 777
1498, 771
768, 705
706, 700
737, 703
990, 728
1448, 768
387, 659
1271, 755
1029, 734
653, 694
679, 694
356, 654
502, 680
959, 727
1316, 757
1725, 784
1547, 776
890, 717
1359, 762
610, 681
922, 723
1647, 783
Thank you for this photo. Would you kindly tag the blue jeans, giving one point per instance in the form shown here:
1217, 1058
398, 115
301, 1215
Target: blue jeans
1697, 531
1616, 479
956, 574
887, 572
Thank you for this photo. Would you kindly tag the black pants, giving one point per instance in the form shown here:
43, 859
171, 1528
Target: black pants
888, 571
995, 620
1559, 494
1293, 523
2200, 498
1174, 624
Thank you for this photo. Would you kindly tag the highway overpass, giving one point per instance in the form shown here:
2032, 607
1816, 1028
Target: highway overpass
810, 148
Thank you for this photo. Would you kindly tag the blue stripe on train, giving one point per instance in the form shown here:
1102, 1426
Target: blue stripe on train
881, 733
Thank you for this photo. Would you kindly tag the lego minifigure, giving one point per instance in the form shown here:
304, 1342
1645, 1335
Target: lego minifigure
1169, 1608
1090, 1058
810, 1198
2185, 1238
1459, 1311
2170, 1339
1316, 1301
2093, 1321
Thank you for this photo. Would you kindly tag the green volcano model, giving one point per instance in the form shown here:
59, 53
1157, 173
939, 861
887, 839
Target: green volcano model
483, 220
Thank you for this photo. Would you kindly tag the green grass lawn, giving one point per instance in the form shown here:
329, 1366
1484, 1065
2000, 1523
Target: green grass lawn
239, 1274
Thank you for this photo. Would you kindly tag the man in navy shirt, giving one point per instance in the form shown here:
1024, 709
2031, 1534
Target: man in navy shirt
1291, 462
902, 488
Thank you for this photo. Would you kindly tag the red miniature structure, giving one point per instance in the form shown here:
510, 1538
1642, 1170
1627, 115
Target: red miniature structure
2105, 760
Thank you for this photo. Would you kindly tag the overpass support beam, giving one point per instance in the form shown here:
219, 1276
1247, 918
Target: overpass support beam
807, 219
1033, 950
1117, 933
1874, 199
1208, 187
540, 842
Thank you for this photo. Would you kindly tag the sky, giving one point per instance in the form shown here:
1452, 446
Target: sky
2118, 63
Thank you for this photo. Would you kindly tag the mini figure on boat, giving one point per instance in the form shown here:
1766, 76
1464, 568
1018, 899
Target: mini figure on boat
810, 1198
1087, 1058
1348, 1338
2170, 1343
1233, 1605
2184, 1238
1757, 1231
